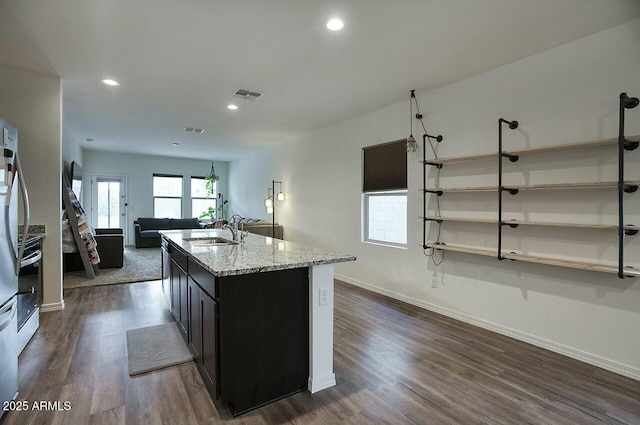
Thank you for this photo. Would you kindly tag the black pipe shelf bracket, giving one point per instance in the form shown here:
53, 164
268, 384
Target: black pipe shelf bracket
630, 145
438, 139
513, 158
626, 102
436, 219
511, 190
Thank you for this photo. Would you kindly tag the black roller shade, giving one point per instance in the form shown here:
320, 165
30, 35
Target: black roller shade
385, 167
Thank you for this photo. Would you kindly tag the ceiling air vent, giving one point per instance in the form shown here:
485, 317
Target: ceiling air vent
193, 130
246, 94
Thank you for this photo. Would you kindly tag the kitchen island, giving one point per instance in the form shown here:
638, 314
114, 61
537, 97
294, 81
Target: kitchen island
257, 315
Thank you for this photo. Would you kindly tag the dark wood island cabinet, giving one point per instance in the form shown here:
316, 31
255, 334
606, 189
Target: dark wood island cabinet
249, 332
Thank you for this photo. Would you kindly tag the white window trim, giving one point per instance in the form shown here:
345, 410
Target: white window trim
365, 219
212, 198
181, 198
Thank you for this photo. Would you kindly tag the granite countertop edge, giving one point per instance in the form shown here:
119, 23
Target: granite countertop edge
333, 257
35, 230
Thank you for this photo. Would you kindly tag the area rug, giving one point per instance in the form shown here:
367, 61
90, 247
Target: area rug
139, 265
155, 347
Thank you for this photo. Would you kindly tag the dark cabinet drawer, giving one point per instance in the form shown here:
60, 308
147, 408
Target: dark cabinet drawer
180, 259
203, 278
209, 343
174, 280
195, 319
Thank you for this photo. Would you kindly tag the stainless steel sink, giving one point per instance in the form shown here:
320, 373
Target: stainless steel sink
208, 241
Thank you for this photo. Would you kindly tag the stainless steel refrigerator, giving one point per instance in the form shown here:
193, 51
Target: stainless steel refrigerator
11, 180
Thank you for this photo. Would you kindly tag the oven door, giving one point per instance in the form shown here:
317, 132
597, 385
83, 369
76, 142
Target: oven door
29, 285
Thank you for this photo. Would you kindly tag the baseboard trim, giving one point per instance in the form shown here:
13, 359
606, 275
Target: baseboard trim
322, 383
44, 308
592, 359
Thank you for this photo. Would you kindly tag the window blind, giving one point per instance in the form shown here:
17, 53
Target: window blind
385, 167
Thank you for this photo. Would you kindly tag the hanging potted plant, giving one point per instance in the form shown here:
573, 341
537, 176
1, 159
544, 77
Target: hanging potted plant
209, 179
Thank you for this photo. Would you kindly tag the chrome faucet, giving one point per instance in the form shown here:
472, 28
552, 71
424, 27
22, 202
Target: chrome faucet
233, 227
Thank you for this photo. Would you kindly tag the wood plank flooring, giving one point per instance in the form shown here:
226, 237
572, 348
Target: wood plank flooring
395, 364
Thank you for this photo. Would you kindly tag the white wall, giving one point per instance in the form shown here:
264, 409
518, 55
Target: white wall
71, 151
32, 103
139, 170
564, 95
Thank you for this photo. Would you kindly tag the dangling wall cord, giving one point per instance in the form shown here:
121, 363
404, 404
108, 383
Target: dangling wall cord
430, 252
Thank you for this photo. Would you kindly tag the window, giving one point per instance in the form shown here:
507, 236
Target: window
385, 193
110, 208
167, 196
386, 217
200, 203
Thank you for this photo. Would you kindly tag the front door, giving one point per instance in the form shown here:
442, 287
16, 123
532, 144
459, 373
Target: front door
108, 203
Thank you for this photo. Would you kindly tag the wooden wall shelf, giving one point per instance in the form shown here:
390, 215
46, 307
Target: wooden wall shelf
463, 249
632, 184
621, 186
509, 222
461, 219
529, 151
582, 265
581, 185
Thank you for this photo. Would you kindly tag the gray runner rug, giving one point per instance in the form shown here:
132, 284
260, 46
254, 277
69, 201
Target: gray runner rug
155, 347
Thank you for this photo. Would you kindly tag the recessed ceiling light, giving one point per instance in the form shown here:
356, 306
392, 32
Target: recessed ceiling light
335, 24
232, 107
175, 144
110, 82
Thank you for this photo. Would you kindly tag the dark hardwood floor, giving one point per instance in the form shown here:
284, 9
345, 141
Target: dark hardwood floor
395, 364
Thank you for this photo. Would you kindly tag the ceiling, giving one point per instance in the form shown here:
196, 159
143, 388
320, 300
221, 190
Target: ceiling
179, 61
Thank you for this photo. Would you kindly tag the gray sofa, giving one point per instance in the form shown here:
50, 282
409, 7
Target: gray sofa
147, 229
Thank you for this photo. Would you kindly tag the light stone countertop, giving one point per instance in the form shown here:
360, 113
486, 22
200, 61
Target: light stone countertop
35, 230
257, 254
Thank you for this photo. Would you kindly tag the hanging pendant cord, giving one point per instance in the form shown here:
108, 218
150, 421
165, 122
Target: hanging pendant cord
411, 115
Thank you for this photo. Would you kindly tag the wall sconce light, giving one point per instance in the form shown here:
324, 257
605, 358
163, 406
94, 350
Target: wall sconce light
268, 201
270, 204
220, 206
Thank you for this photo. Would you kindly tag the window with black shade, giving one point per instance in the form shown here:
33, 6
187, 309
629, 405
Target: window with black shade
167, 196
385, 193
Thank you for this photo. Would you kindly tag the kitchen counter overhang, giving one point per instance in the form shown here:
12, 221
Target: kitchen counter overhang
256, 254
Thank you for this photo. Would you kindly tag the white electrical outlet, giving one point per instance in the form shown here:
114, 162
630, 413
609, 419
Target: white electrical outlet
434, 282
324, 296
